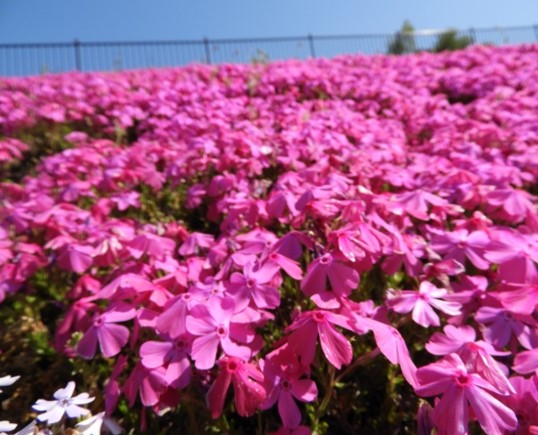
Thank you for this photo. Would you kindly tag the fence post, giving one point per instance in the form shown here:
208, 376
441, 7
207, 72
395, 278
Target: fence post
207, 52
472, 32
78, 63
311, 44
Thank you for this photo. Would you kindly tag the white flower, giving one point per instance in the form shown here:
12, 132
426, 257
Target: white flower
31, 430
6, 426
8, 380
54, 410
92, 425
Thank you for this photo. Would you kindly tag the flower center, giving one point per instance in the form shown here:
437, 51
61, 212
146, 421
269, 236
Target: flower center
98, 321
221, 331
462, 379
319, 316
250, 283
285, 385
180, 344
325, 259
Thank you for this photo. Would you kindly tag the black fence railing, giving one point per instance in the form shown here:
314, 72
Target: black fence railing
31, 59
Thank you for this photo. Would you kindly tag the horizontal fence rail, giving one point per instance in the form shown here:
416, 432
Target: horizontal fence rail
32, 59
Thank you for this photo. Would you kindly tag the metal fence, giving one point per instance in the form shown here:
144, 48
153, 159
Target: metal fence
30, 59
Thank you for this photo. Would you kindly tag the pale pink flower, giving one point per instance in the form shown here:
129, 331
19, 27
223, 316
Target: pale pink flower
421, 302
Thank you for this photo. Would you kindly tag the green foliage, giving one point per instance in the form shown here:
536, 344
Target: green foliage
449, 41
404, 41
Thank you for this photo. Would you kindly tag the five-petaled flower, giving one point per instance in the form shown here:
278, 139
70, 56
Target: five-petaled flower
54, 410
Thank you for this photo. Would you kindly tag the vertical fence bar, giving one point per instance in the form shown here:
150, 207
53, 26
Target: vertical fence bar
76, 47
472, 32
311, 44
536, 31
207, 51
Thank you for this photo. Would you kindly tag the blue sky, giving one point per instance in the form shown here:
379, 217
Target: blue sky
99, 20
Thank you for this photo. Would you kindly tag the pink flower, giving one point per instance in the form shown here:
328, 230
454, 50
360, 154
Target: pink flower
149, 384
391, 344
285, 384
311, 324
247, 383
343, 278
501, 326
461, 244
213, 325
421, 304
111, 337
526, 361
475, 354
459, 389
76, 258
173, 318
172, 355
524, 402
253, 284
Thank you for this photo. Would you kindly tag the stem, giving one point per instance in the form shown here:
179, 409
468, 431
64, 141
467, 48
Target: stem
328, 393
363, 359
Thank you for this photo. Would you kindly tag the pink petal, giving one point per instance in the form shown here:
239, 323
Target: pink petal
305, 390
87, 345
202, 326
493, 416
424, 315
288, 410
233, 349
112, 338
120, 313
217, 393
451, 413
154, 353
335, 346
204, 351
315, 279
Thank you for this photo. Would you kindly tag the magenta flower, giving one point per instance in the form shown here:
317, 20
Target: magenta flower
391, 344
213, 325
526, 361
247, 383
421, 304
173, 318
286, 384
149, 384
501, 326
343, 278
311, 324
459, 389
475, 354
524, 402
76, 258
111, 337
253, 285
173, 355
461, 244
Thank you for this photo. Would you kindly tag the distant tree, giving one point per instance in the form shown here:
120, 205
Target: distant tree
404, 41
449, 41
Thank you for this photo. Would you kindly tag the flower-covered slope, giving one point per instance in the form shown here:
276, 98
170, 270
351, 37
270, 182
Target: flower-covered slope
278, 230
